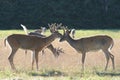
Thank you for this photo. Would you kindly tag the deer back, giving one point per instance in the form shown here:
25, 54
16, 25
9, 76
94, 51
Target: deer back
25, 41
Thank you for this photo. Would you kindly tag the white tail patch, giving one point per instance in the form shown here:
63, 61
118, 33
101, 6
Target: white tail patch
109, 49
24, 28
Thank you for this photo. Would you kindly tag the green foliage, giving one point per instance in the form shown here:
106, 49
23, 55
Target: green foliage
85, 14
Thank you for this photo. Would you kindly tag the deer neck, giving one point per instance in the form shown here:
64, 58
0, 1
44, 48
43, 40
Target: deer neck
74, 43
70, 41
50, 39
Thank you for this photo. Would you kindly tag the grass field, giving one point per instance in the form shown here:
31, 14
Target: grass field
67, 66
79, 33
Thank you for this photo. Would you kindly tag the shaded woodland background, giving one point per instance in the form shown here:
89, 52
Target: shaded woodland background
79, 14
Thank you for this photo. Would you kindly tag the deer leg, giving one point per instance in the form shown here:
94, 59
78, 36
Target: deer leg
36, 58
107, 58
10, 58
83, 60
112, 58
33, 58
43, 52
25, 51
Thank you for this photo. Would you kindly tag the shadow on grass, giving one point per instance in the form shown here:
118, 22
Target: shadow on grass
107, 73
48, 73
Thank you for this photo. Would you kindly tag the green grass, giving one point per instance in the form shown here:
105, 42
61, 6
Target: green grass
79, 33
61, 74
54, 74
87, 33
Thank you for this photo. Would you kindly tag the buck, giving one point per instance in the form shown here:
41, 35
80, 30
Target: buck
56, 51
84, 45
34, 43
40, 31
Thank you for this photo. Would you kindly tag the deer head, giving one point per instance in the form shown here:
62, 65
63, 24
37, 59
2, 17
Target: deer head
54, 28
66, 33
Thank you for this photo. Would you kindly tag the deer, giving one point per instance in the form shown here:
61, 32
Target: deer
56, 51
33, 43
41, 31
92, 43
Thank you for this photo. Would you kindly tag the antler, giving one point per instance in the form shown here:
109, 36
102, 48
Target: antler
64, 29
58, 26
54, 27
59, 51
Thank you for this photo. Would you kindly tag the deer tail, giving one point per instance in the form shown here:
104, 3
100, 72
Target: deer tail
25, 29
